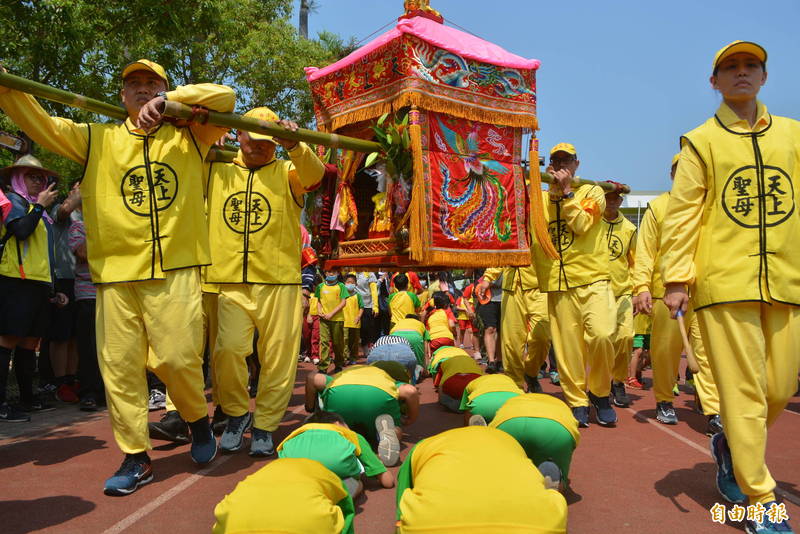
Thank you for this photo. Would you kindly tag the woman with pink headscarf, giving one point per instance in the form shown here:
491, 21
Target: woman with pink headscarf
26, 281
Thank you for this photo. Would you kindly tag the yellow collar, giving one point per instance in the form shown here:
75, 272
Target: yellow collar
732, 121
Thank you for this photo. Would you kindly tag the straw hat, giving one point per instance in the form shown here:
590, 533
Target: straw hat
28, 161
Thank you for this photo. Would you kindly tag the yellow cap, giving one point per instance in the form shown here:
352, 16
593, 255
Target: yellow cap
563, 147
146, 64
737, 47
265, 114
675, 159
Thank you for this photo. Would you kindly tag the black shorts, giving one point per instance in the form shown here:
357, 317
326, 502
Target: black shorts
490, 314
63, 320
24, 307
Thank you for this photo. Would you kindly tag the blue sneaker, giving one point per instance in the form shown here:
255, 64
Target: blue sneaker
204, 444
554, 378
132, 474
552, 475
233, 436
606, 416
726, 481
765, 526
581, 414
261, 443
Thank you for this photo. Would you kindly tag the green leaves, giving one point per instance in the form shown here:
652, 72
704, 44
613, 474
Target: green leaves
82, 46
395, 140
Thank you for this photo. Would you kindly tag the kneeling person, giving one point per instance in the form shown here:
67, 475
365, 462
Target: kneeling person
486, 394
327, 439
287, 495
370, 401
437, 481
453, 376
545, 428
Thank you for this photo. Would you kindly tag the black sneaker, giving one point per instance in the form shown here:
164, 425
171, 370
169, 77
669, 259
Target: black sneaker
36, 405
135, 471
606, 416
171, 427
581, 414
618, 395
492, 367
533, 384
714, 425
665, 413
10, 415
219, 421
88, 404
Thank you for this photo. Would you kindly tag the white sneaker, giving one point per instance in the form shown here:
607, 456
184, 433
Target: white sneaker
157, 400
388, 444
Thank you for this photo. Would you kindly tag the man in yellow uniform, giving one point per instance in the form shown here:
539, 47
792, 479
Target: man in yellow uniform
666, 344
731, 235
287, 495
580, 301
143, 208
437, 482
621, 236
254, 226
525, 323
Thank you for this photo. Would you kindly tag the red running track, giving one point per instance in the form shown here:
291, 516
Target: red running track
640, 477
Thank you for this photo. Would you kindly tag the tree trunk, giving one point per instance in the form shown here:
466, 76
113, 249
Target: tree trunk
303, 25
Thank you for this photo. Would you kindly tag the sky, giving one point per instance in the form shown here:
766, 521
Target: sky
621, 80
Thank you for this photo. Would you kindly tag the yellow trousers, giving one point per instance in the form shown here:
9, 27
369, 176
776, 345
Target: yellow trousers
164, 316
210, 335
275, 311
582, 322
666, 347
754, 352
623, 338
525, 323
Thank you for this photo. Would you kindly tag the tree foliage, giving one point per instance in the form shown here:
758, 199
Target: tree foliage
82, 46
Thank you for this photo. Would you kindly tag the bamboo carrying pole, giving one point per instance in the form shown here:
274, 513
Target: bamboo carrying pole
249, 124
62, 97
182, 111
606, 186
229, 120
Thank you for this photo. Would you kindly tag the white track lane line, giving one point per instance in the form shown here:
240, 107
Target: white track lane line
705, 450
179, 488
164, 497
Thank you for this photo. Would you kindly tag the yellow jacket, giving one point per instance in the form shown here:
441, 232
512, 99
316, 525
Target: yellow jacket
514, 277
28, 259
286, 495
732, 223
621, 238
577, 234
142, 191
647, 266
254, 218
439, 478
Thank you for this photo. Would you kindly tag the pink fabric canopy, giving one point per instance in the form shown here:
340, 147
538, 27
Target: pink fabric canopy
439, 35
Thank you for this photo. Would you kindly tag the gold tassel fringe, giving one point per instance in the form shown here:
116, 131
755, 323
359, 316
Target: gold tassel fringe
537, 220
418, 224
429, 103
